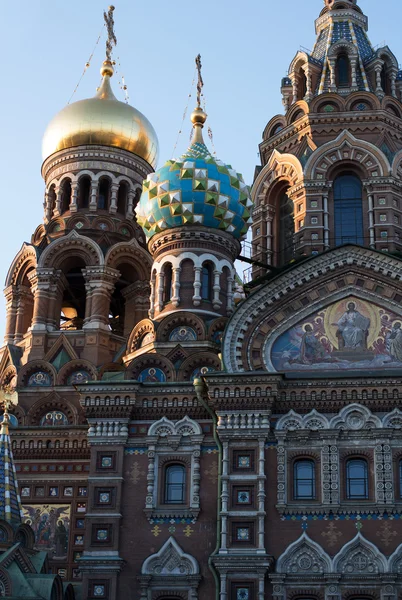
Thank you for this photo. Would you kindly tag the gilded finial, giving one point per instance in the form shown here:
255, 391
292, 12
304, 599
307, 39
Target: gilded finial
198, 116
107, 67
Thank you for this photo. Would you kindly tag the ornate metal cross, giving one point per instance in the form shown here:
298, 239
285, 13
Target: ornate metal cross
111, 37
200, 83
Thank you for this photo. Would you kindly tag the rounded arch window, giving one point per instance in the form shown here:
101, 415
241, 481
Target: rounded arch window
104, 193
276, 129
167, 282
348, 210
84, 191
122, 198
304, 479
342, 70
54, 418
207, 281
175, 484
39, 379
298, 115
65, 195
357, 479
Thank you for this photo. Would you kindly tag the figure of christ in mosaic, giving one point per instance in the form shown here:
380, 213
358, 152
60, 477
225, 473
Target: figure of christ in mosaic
51, 525
349, 334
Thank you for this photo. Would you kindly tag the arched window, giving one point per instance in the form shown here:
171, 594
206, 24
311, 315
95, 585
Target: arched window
286, 228
342, 70
357, 479
206, 281
122, 198
301, 84
385, 82
348, 210
52, 200
304, 480
104, 194
175, 484
65, 195
167, 283
84, 191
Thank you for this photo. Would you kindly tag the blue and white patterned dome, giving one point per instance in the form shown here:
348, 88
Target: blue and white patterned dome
196, 189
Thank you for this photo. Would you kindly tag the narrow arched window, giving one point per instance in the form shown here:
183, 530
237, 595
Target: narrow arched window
122, 198
175, 484
65, 195
357, 479
286, 228
104, 194
84, 191
304, 480
52, 200
206, 282
167, 283
342, 70
348, 210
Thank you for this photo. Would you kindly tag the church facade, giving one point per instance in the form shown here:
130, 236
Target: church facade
194, 440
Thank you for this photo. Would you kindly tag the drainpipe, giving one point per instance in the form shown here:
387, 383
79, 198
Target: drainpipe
199, 386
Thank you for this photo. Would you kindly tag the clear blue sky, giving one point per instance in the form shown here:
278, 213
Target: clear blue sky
246, 49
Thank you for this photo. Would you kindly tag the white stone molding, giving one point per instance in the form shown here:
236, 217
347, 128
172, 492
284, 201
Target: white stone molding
292, 421
170, 560
359, 557
243, 422
304, 557
393, 420
181, 442
330, 474
383, 465
354, 418
170, 570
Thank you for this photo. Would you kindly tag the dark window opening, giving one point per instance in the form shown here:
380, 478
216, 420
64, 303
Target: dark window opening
84, 192
348, 210
357, 479
74, 299
304, 480
52, 200
104, 194
65, 196
342, 70
175, 484
207, 282
167, 283
122, 197
286, 228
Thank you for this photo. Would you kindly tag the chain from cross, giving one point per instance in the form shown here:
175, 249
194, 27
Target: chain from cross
200, 83
111, 36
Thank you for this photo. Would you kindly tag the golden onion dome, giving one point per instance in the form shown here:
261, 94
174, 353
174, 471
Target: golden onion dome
104, 121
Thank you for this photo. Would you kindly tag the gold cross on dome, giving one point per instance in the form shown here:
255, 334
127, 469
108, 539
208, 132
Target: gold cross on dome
111, 36
200, 83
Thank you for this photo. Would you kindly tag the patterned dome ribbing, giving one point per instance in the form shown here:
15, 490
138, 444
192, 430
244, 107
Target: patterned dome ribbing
196, 189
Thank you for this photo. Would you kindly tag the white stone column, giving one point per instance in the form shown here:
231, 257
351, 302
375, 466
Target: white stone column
74, 196
197, 286
332, 71
57, 210
130, 205
224, 498
159, 295
176, 286
261, 586
224, 587
152, 296
150, 497
371, 220
93, 205
379, 91
326, 220
295, 87
393, 76
309, 91
48, 207
114, 189
261, 497
230, 304
216, 303
353, 65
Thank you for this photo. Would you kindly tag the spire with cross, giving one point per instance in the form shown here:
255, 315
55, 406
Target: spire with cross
111, 36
